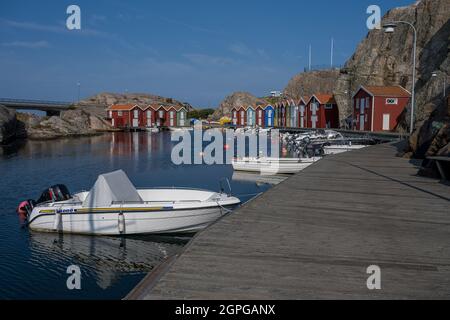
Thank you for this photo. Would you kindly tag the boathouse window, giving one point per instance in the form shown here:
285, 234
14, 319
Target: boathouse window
391, 101
181, 115
363, 103
367, 103
120, 113
328, 106
136, 114
161, 113
149, 114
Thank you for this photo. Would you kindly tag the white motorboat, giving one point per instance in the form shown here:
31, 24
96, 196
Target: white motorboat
181, 129
265, 165
115, 207
341, 148
153, 129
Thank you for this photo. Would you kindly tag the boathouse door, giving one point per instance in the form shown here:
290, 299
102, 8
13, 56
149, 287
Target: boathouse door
172, 118
314, 108
386, 122
269, 118
149, 118
361, 116
302, 116
135, 119
182, 116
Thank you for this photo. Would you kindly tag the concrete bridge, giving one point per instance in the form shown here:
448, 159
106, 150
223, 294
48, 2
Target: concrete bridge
52, 108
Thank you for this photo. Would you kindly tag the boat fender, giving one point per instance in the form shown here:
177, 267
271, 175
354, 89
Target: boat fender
57, 221
25, 208
121, 223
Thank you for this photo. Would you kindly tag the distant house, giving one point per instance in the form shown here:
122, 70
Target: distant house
322, 112
182, 114
276, 117
170, 116
260, 118
239, 116
150, 115
269, 114
160, 116
282, 115
125, 116
234, 116
302, 111
378, 108
293, 114
251, 116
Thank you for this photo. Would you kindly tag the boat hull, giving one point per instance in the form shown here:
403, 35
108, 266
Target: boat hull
273, 166
331, 150
129, 223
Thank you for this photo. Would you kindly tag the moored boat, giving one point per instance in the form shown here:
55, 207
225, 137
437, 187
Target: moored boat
265, 165
115, 207
341, 148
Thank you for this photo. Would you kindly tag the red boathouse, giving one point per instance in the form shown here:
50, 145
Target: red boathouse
322, 112
378, 108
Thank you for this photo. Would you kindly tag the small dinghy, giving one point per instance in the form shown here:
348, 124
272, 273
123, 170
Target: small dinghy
115, 207
271, 166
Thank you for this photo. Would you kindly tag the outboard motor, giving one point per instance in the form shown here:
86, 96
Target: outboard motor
55, 193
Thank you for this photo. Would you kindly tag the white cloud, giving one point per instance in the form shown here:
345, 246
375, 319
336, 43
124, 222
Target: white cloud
204, 59
57, 28
27, 44
240, 49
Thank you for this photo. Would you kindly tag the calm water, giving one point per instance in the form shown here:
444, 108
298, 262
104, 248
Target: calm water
33, 265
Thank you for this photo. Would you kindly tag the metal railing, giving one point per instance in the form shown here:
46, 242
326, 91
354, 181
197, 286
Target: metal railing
42, 102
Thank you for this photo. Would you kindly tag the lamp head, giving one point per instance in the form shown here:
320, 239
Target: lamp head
389, 27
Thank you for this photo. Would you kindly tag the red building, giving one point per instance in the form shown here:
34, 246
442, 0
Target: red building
322, 112
239, 115
125, 116
260, 116
378, 108
149, 115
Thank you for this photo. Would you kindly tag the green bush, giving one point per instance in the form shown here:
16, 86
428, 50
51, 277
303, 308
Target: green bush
200, 113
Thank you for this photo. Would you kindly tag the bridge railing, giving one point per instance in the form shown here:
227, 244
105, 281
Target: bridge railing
43, 102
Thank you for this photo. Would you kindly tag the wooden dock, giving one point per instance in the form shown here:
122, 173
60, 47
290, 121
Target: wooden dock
314, 235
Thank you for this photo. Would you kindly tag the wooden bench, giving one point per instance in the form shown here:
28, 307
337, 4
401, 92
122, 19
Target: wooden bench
441, 162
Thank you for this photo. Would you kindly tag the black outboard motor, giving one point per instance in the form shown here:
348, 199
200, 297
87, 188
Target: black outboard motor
55, 193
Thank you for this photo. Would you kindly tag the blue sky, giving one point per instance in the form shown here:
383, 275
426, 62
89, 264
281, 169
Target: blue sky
195, 51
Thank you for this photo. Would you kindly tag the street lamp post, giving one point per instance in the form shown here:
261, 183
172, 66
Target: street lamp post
390, 28
78, 85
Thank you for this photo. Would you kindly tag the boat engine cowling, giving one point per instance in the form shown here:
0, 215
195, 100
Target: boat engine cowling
55, 193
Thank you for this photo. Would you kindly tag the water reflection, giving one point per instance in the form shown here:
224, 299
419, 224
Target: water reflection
34, 264
105, 258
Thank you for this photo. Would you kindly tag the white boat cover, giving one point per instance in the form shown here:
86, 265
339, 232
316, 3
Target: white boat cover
111, 187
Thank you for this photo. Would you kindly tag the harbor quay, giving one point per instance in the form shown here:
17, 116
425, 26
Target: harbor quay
322, 234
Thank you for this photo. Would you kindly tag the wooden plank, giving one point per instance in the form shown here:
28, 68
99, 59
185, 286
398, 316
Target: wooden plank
314, 235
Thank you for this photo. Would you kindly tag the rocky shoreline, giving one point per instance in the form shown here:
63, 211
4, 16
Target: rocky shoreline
71, 123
